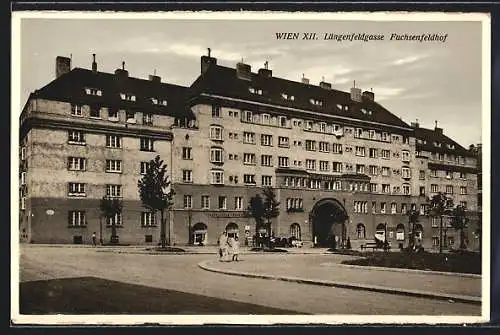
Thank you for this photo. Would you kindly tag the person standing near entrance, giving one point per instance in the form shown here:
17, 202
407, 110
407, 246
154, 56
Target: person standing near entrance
94, 239
236, 248
222, 245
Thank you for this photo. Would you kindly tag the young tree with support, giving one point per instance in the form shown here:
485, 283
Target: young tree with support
413, 219
271, 208
440, 205
110, 207
156, 193
459, 221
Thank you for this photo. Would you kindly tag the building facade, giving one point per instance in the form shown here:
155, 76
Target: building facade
329, 155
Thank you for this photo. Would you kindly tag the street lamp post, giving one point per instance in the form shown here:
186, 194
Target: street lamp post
100, 230
190, 238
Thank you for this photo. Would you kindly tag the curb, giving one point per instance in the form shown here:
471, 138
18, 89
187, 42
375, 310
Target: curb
364, 287
380, 268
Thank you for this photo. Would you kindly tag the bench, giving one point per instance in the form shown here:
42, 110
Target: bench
374, 246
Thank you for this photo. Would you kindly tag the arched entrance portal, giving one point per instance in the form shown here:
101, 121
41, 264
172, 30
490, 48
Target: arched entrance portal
328, 219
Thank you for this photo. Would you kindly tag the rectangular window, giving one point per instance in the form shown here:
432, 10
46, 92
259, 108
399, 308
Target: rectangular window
385, 171
463, 175
215, 111
406, 189
382, 207
186, 153
360, 168
371, 134
463, 190
422, 191
187, 176
421, 175
283, 142
249, 137
146, 144
394, 208
76, 189
247, 116
449, 175
406, 173
76, 218
148, 219
205, 202
76, 163
337, 166
373, 153
266, 140
76, 110
115, 220
385, 137
463, 204
324, 147
76, 136
238, 203
373, 170
218, 177
310, 164
267, 180
282, 121
434, 188
386, 188
283, 162
188, 201
360, 151
386, 154
147, 118
358, 133
337, 148
434, 173
435, 241
324, 166
113, 114
373, 188
266, 160
216, 133
215, 155
113, 165
145, 167
449, 189
95, 112
249, 178
310, 145
249, 159
114, 191
113, 141
405, 156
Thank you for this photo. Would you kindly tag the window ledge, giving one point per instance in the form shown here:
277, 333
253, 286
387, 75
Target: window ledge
76, 143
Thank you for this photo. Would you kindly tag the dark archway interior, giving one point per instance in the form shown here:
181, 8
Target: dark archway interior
328, 220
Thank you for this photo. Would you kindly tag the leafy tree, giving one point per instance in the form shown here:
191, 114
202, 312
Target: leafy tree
440, 205
109, 207
413, 218
459, 222
156, 193
271, 207
256, 210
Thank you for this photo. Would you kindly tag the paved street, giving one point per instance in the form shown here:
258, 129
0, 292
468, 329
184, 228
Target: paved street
181, 273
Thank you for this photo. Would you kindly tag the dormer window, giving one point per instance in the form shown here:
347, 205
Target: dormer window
437, 144
316, 102
288, 97
157, 101
254, 90
346, 108
451, 146
339, 106
93, 91
127, 96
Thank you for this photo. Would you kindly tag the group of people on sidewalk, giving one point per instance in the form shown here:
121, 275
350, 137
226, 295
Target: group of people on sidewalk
228, 246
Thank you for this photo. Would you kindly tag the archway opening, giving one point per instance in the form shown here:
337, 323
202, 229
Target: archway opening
199, 234
328, 221
232, 230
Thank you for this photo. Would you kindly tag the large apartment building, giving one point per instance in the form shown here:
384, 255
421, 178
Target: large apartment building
328, 154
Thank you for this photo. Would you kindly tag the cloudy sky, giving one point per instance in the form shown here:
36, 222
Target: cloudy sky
426, 81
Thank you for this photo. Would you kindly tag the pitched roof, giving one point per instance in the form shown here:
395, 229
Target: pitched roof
220, 80
70, 87
431, 135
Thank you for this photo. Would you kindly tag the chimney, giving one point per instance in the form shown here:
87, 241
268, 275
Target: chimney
244, 71
369, 95
325, 85
207, 61
437, 129
94, 64
122, 72
265, 72
154, 78
355, 93
304, 80
415, 124
63, 65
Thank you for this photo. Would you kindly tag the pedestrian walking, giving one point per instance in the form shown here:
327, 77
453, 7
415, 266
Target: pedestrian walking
236, 249
94, 239
222, 245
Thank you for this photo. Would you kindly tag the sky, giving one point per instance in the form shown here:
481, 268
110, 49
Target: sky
424, 81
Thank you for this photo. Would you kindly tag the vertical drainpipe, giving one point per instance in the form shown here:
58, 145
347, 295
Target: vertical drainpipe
171, 214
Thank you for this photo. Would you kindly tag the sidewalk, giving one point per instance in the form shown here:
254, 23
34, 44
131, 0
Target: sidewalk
314, 270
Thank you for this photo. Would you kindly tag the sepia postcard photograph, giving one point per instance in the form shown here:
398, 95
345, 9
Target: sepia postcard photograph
250, 168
